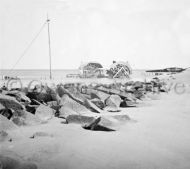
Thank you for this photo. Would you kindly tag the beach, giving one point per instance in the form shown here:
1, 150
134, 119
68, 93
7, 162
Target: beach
156, 137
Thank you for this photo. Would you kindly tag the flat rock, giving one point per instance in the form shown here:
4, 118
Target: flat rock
80, 119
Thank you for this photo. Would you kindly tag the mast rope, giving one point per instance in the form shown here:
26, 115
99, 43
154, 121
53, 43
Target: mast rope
28, 47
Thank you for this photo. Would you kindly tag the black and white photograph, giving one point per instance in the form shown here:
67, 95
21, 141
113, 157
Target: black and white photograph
94, 84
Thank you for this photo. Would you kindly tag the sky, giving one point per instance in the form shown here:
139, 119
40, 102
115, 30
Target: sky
147, 33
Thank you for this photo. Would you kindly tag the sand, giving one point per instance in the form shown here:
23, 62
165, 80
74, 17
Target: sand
157, 138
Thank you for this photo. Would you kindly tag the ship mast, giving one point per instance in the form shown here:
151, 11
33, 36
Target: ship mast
49, 43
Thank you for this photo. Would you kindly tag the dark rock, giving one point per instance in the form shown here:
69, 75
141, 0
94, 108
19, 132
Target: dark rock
31, 108
138, 94
7, 113
126, 103
46, 94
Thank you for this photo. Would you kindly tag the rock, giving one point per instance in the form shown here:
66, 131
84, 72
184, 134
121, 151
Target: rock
97, 94
1, 106
54, 105
20, 96
126, 103
64, 121
44, 95
138, 94
31, 108
138, 85
114, 121
113, 103
80, 119
24, 118
81, 102
64, 112
13, 163
93, 124
44, 113
92, 106
62, 91
98, 103
8, 113
123, 95
107, 122
70, 106
10, 102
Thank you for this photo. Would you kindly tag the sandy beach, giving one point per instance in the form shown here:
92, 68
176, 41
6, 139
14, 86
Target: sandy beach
156, 137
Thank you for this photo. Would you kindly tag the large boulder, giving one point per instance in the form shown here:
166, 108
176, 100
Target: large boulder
90, 105
113, 103
97, 94
10, 102
70, 106
44, 94
7, 162
44, 113
78, 98
20, 96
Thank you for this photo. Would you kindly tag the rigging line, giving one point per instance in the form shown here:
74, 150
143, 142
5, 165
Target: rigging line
28, 47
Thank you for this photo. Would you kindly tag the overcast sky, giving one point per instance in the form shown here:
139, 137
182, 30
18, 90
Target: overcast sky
147, 33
